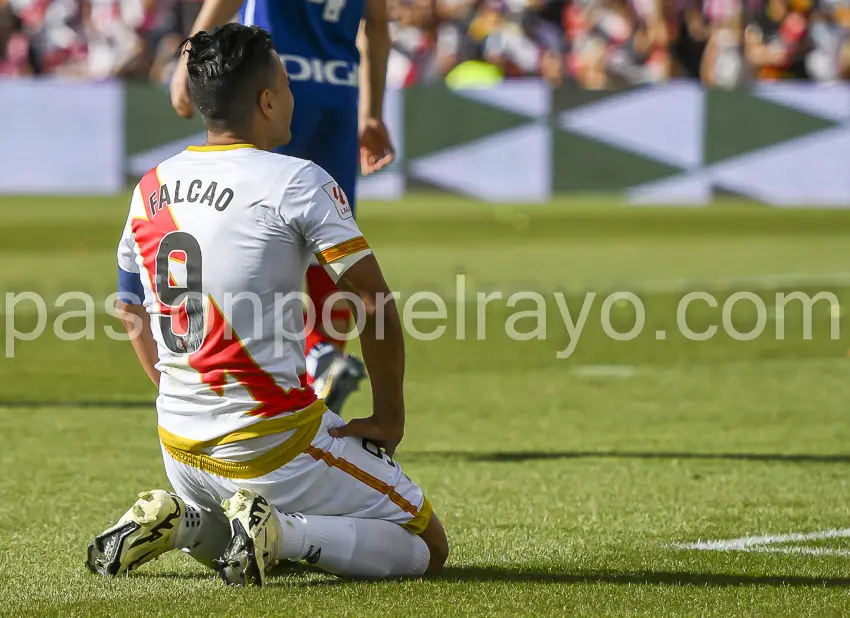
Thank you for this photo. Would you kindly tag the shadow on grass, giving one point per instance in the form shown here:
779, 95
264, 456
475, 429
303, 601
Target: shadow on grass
522, 456
282, 570
495, 574
645, 578
293, 574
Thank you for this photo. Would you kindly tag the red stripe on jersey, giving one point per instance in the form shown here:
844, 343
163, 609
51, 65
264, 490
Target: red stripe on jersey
149, 231
223, 353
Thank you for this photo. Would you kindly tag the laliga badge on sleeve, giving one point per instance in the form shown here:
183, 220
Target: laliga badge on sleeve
343, 208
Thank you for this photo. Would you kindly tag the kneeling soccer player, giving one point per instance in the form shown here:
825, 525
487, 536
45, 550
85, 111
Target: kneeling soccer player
216, 243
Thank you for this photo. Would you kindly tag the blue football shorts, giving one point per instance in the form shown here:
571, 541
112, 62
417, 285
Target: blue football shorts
329, 138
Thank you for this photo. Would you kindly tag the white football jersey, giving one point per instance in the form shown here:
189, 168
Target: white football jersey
221, 238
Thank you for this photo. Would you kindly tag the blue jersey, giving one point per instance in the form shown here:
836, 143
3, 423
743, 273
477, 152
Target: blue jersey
317, 40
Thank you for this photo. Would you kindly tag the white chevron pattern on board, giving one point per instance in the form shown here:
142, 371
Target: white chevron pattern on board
509, 166
663, 123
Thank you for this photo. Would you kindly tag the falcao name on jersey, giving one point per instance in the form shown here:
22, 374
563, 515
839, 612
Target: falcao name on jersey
196, 192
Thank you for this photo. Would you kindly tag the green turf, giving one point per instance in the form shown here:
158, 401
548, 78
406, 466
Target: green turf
563, 483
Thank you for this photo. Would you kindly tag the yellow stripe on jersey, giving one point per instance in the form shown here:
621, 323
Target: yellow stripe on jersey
342, 249
220, 148
306, 422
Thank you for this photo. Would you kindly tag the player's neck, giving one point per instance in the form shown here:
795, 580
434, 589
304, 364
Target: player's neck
227, 138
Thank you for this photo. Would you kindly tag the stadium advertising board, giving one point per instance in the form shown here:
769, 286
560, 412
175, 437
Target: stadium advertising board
782, 144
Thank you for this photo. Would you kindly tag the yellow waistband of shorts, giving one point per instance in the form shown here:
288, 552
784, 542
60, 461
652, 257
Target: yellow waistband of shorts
305, 422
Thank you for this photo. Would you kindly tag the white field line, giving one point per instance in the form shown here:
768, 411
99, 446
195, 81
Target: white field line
793, 549
761, 543
801, 549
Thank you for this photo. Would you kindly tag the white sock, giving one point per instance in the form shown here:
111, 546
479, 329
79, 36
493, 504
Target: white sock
353, 547
189, 526
202, 534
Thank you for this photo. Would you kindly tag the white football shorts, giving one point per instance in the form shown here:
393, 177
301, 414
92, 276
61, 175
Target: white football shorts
344, 477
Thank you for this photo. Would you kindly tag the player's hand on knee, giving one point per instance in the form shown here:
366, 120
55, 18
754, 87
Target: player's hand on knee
386, 435
181, 100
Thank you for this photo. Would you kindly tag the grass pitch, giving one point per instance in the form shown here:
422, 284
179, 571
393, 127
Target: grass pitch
566, 485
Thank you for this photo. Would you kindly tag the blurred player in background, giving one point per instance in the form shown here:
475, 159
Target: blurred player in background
318, 42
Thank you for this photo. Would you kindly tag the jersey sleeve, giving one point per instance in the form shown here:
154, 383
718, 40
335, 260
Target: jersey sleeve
317, 206
130, 289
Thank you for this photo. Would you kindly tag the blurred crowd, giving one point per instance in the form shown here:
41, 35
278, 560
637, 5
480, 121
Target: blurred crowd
610, 43
594, 43
93, 39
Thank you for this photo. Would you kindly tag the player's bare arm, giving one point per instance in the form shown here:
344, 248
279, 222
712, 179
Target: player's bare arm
213, 13
131, 316
376, 150
382, 342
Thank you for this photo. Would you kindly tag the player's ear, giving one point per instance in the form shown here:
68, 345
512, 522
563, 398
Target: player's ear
267, 102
